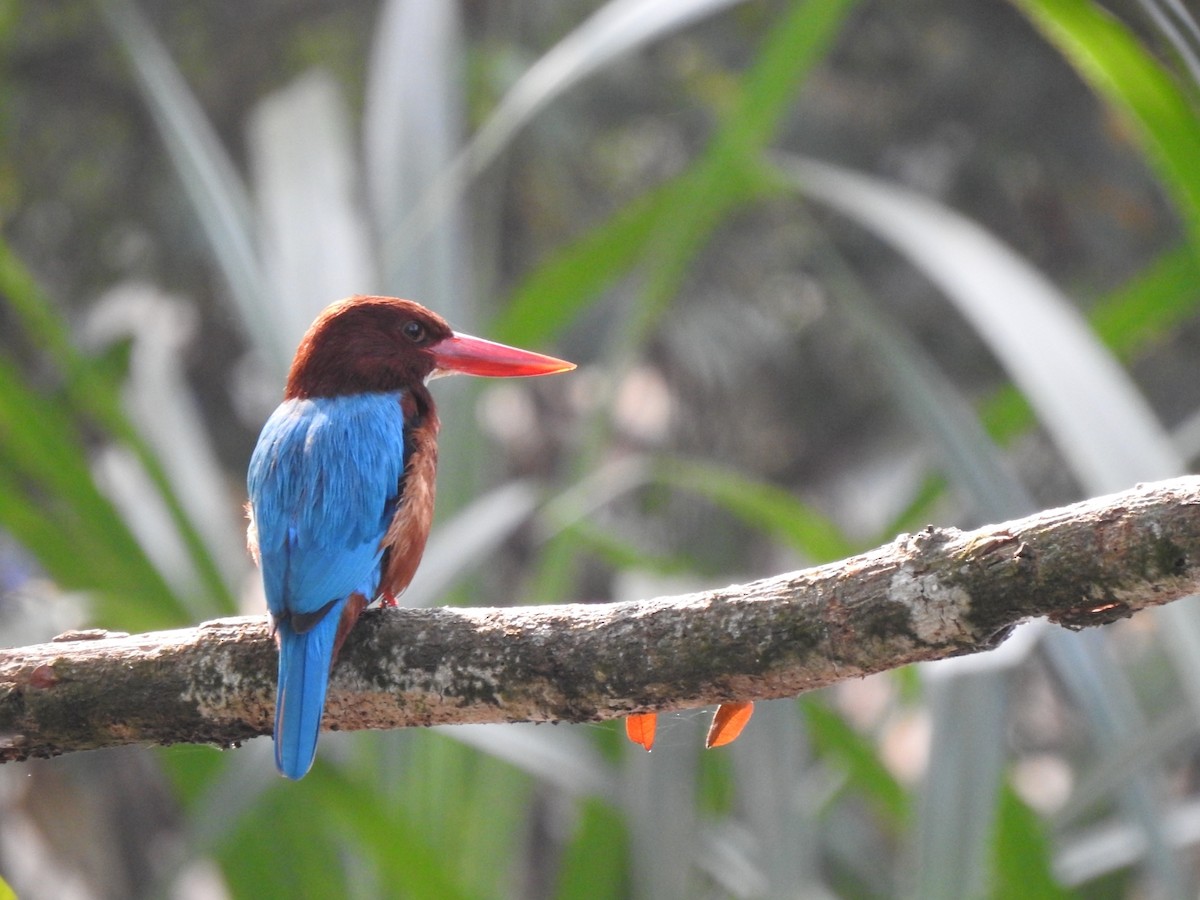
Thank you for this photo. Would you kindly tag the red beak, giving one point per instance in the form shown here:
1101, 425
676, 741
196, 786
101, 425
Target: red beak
475, 356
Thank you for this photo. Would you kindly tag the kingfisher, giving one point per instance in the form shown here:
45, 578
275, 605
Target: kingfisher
341, 485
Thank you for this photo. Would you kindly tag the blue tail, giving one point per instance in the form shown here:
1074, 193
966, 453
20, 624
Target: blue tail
304, 663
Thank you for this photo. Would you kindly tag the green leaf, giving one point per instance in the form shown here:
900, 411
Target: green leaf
263, 847
1112, 60
50, 504
6, 893
623, 554
356, 837
1022, 854
667, 226
856, 755
1089, 405
662, 232
594, 864
555, 293
1150, 305
617, 28
764, 506
718, 788
41, 435
932, 403
1100, 423
468, 808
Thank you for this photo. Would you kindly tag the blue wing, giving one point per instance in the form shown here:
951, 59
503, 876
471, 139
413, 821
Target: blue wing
324, 481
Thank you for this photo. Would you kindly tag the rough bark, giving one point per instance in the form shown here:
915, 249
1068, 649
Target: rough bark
939, 593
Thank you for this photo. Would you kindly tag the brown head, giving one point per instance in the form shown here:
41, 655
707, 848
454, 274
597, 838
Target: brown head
377, 344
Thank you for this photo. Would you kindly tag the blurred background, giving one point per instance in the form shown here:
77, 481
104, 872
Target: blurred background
832, 270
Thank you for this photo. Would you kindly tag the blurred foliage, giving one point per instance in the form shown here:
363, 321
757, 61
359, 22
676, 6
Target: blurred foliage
764, 384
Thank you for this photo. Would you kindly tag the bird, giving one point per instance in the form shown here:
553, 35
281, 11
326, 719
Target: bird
341, 485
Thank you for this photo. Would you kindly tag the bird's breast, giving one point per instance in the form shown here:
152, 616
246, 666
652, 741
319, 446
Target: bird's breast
404, 541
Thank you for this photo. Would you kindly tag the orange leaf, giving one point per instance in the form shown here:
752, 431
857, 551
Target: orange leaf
727, 723
640, 728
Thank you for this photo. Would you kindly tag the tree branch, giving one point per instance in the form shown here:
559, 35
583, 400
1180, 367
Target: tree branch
935, 594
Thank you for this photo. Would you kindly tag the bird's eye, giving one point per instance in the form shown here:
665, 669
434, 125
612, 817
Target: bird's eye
414, 331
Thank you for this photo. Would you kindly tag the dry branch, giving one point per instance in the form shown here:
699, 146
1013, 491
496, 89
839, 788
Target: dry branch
935, 594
